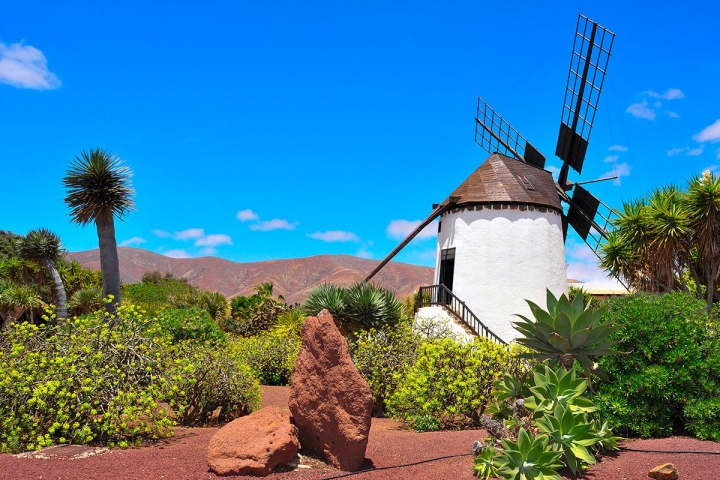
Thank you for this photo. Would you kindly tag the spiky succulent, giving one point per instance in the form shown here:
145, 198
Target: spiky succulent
565, 332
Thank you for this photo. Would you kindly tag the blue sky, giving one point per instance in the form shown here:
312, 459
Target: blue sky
266, 130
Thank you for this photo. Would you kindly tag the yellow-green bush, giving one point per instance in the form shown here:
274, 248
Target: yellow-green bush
270, 355
98, 379
203, 378
81, 381
449, 383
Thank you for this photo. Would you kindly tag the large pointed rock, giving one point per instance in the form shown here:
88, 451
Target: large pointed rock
330, 402
254, 444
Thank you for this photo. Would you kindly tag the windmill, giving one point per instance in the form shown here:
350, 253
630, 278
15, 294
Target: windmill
508, 216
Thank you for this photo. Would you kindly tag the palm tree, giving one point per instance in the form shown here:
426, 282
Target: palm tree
45, 247
703, 203
98, 186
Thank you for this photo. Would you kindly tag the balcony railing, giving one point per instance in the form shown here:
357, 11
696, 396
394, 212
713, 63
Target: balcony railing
441, 295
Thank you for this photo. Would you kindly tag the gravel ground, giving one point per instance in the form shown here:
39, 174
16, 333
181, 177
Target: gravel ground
183, 457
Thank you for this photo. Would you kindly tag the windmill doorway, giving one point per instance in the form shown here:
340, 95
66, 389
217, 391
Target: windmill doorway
447, 270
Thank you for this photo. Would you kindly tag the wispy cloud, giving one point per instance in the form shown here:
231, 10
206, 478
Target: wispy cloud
695, 151
641, 110
214, 240
399, 229
189, 234
160, 233
24, 66
247, 215
335, 236
620, 170
673, 152
618, 148
649, 112
715, 169
208, 251
176, 253
274, 224
555, 171
611, 158
132, 241
671, 94
709, 134
364, 253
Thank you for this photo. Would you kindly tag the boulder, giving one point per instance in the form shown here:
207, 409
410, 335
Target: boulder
330, 402
254, 444
666, 471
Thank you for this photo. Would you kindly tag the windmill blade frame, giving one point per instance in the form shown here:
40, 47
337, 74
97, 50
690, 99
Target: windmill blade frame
588, 65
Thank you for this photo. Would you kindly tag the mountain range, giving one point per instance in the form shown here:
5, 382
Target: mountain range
292, 278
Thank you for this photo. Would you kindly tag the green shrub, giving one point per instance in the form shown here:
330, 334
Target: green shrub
449, 381
360, 306
270, 356
674, 361
703, 418
192, 323
383, 357
81, 381
203, 379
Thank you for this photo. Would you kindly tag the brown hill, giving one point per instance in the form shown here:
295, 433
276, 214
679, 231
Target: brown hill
293, 278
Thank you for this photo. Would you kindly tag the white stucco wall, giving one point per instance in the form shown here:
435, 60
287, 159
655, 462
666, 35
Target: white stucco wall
503, 257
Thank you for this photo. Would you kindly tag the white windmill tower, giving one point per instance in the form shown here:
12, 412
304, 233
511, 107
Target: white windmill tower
502, 231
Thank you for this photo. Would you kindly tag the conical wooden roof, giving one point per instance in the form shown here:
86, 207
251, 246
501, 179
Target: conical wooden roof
502, 179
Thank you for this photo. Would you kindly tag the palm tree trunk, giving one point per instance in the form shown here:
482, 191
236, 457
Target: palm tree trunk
109, 263
59, 289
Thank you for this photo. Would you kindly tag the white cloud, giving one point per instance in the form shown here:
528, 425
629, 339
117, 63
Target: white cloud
709, 134
695, 151
399, 229
132, 241
611, 158
620, 170
213, 240
189, 233
274, 224
25, 66
160, 233
176, 254
335, 236
676, 151
618, 148
363, 253
672, 114
208, 251
247, 214
641, 110
715, 169
671, 94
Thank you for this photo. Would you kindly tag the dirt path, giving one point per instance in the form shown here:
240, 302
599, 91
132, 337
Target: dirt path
183, 458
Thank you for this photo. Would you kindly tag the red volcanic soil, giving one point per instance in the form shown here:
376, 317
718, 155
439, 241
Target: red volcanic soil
293, 278
183, 457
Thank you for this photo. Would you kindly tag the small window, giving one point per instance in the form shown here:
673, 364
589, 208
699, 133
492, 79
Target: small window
525, 182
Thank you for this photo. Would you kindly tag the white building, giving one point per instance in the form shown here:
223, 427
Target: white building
502, 243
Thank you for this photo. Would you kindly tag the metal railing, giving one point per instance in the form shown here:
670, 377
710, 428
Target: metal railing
441, 295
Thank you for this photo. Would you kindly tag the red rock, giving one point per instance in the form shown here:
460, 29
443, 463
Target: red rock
254, 444
330, 402
666, 471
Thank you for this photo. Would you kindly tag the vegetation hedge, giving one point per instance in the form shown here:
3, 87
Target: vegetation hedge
192, 323
270, 355
669, 382
99, 379
449, 383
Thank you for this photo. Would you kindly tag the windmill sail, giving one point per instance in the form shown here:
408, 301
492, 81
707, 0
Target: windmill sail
495, 135
588, 65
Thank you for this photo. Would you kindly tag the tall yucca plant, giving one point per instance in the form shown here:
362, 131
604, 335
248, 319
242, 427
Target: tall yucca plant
565, 332
44, 246
703, 204
98, 190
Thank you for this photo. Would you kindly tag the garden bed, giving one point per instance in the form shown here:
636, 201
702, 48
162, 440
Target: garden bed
183, 457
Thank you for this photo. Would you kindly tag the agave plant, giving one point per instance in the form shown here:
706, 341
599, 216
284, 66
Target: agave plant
529, 459
559, 387
607, 441
565, 332
484, 464
572, 433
